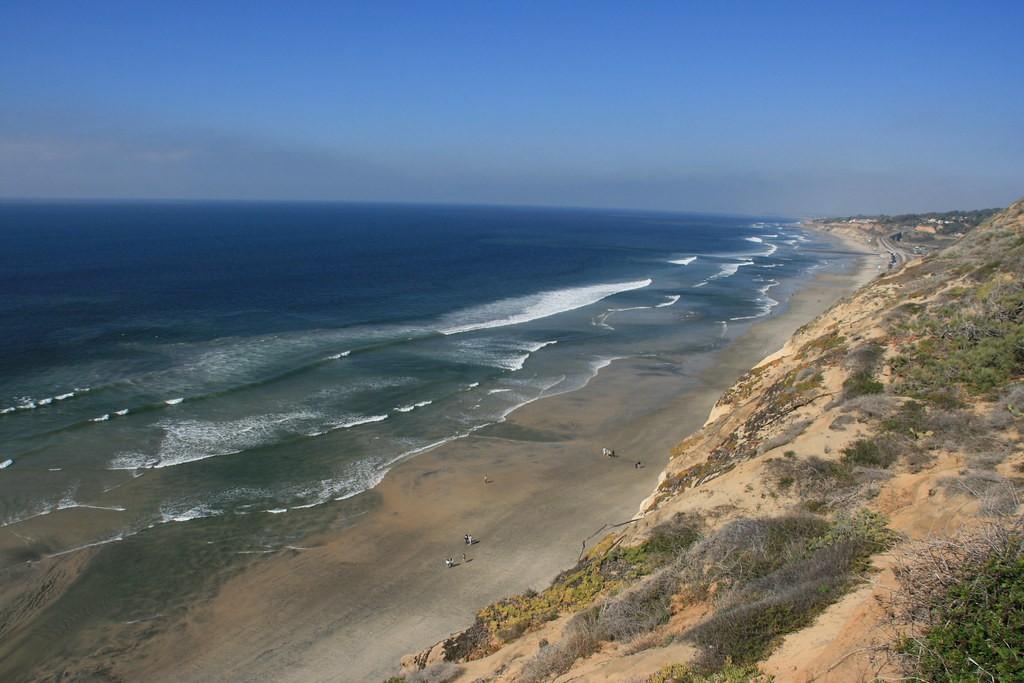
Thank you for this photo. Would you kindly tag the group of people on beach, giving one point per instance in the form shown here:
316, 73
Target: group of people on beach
450, 561
611, 454
468, 539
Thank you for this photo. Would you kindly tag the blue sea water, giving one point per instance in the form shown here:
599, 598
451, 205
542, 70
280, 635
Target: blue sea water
163, 362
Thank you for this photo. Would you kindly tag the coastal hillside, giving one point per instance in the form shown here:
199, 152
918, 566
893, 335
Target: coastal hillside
851, 510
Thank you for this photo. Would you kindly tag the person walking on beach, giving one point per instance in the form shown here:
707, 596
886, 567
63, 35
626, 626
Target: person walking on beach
464, 557
638, 465
449, 562
466, 537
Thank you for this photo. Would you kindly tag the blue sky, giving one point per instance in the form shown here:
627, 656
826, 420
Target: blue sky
754, 107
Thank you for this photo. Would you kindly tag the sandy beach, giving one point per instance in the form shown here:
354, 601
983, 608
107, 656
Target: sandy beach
347, 604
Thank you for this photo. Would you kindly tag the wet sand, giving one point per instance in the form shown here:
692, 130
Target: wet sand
349, 603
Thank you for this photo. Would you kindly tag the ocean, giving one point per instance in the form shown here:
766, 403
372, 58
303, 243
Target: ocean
173, 373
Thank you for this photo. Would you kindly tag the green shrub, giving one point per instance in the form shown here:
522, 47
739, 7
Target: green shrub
670, 539
861, 383
822, 344
908, 420
866, 529
865, 357
979, 631
977, 344
730, 673
867, 454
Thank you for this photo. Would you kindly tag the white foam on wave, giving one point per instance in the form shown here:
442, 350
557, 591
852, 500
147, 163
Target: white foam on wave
600, 364
684, 261
187, 512
351, 422
358, 476
726, 270
187, 441
27, 403
174, 401
38, 510
70, 504
101, 418
766, 302
46, 507
498, 391
518, 310
121, 413
669, 301
601, 320
336, 356
730, 269
506, 354
754, 239
770, 235
413, 406
534, 347
112, 539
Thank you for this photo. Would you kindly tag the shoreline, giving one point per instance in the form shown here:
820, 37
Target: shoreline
353, 600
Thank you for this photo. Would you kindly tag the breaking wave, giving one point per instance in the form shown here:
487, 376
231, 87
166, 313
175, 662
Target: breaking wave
518, 310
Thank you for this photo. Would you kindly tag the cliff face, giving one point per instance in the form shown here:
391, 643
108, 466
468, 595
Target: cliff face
781, 535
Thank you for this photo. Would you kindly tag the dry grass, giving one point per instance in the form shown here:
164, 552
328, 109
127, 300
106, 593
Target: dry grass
640, 609
999, 496
748, 548
773, 576
927, 569
580, 639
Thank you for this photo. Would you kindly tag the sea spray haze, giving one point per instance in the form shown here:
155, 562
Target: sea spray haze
249, 364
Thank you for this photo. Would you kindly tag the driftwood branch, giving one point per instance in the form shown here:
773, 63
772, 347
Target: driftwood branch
583, 545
